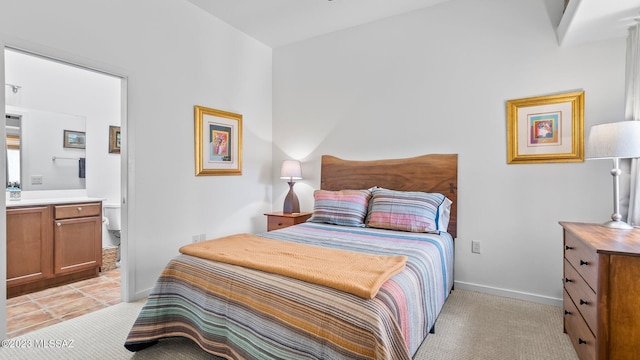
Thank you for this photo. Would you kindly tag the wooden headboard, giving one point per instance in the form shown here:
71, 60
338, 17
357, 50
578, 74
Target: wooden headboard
427, 173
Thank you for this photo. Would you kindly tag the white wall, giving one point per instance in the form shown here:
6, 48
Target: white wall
173, 57
436, 81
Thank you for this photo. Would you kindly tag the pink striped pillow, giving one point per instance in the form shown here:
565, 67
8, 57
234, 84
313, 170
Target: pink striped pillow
405, 210
345, 207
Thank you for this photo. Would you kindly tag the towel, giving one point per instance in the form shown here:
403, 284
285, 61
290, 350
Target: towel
81, 167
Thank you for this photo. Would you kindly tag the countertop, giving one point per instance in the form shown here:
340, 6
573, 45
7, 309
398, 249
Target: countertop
53, 200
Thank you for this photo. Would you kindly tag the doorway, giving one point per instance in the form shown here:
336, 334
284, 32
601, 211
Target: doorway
90, 104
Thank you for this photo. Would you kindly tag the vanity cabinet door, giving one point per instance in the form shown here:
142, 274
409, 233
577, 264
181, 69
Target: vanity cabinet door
77, 244
29, 250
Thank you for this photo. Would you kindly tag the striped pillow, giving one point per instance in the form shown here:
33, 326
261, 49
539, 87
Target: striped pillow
345, 207
405, 210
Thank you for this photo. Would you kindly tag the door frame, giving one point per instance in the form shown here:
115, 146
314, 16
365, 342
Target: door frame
127, 270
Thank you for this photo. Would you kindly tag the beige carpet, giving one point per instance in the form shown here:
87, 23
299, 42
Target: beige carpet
472, 326
478, 326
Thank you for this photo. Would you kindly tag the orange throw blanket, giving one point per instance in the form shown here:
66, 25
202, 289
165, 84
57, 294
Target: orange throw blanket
349, 271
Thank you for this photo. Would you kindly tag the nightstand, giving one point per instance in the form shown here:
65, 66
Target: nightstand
280, 220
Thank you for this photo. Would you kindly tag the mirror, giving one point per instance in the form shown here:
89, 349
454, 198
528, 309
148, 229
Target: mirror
13, 151
50, 150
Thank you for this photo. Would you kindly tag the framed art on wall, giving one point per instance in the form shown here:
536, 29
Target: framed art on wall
114, 139
218, 142
546, 129
74, 139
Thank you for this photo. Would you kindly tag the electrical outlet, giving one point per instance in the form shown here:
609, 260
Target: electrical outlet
195, 238
203, 237
475, 247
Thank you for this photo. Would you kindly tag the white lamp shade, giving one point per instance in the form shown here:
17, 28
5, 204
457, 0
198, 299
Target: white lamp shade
291, 169
614, 140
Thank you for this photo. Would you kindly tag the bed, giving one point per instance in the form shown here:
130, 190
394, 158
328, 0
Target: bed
238, 312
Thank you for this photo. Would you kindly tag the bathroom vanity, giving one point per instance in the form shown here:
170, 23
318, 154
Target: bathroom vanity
52, 242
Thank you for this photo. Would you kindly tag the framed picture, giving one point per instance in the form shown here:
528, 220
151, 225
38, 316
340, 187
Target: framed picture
114, 139
546, 129
218, 140
74, 139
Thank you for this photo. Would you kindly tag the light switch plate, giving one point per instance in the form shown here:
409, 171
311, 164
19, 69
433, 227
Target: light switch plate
36, 179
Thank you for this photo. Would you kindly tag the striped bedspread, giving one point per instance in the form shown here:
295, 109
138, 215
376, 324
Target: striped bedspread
240, 313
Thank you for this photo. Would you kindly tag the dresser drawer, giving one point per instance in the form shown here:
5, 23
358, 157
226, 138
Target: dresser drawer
584, 342
76, 210
582, 295
280, 220
583, 258
276, 222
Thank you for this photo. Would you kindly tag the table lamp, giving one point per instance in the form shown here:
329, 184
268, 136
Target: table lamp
619, 140
291, 170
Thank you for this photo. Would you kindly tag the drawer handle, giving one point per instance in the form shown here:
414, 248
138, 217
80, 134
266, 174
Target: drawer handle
279, 224
567, 247
58, 224
582, 262
566, 312
79, 209
580, 341
584, 302
567, 280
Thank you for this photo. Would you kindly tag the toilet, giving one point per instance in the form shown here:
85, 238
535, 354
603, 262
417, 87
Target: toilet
111, 222
111, 212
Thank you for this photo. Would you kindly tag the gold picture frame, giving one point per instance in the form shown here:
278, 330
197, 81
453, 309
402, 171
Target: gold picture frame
74, 139
546, 129
218, 142
114, 139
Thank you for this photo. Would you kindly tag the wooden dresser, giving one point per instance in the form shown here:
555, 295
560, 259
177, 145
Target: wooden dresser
602, 291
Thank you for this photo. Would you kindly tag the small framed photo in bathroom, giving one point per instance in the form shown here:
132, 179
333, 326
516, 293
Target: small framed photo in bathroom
114, 139
75, 139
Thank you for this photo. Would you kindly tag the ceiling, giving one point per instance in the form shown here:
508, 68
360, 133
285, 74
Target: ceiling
281, 22
595, 20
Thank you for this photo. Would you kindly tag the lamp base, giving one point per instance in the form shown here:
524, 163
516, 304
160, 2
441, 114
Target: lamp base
616, 218
617, 224
291, 204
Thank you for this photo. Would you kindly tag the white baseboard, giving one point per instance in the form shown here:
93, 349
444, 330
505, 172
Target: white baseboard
508, 293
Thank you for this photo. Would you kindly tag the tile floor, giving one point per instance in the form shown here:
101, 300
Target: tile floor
34, 311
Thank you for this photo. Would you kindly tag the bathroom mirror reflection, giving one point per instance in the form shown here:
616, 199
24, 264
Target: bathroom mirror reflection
37, 158
13, 151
